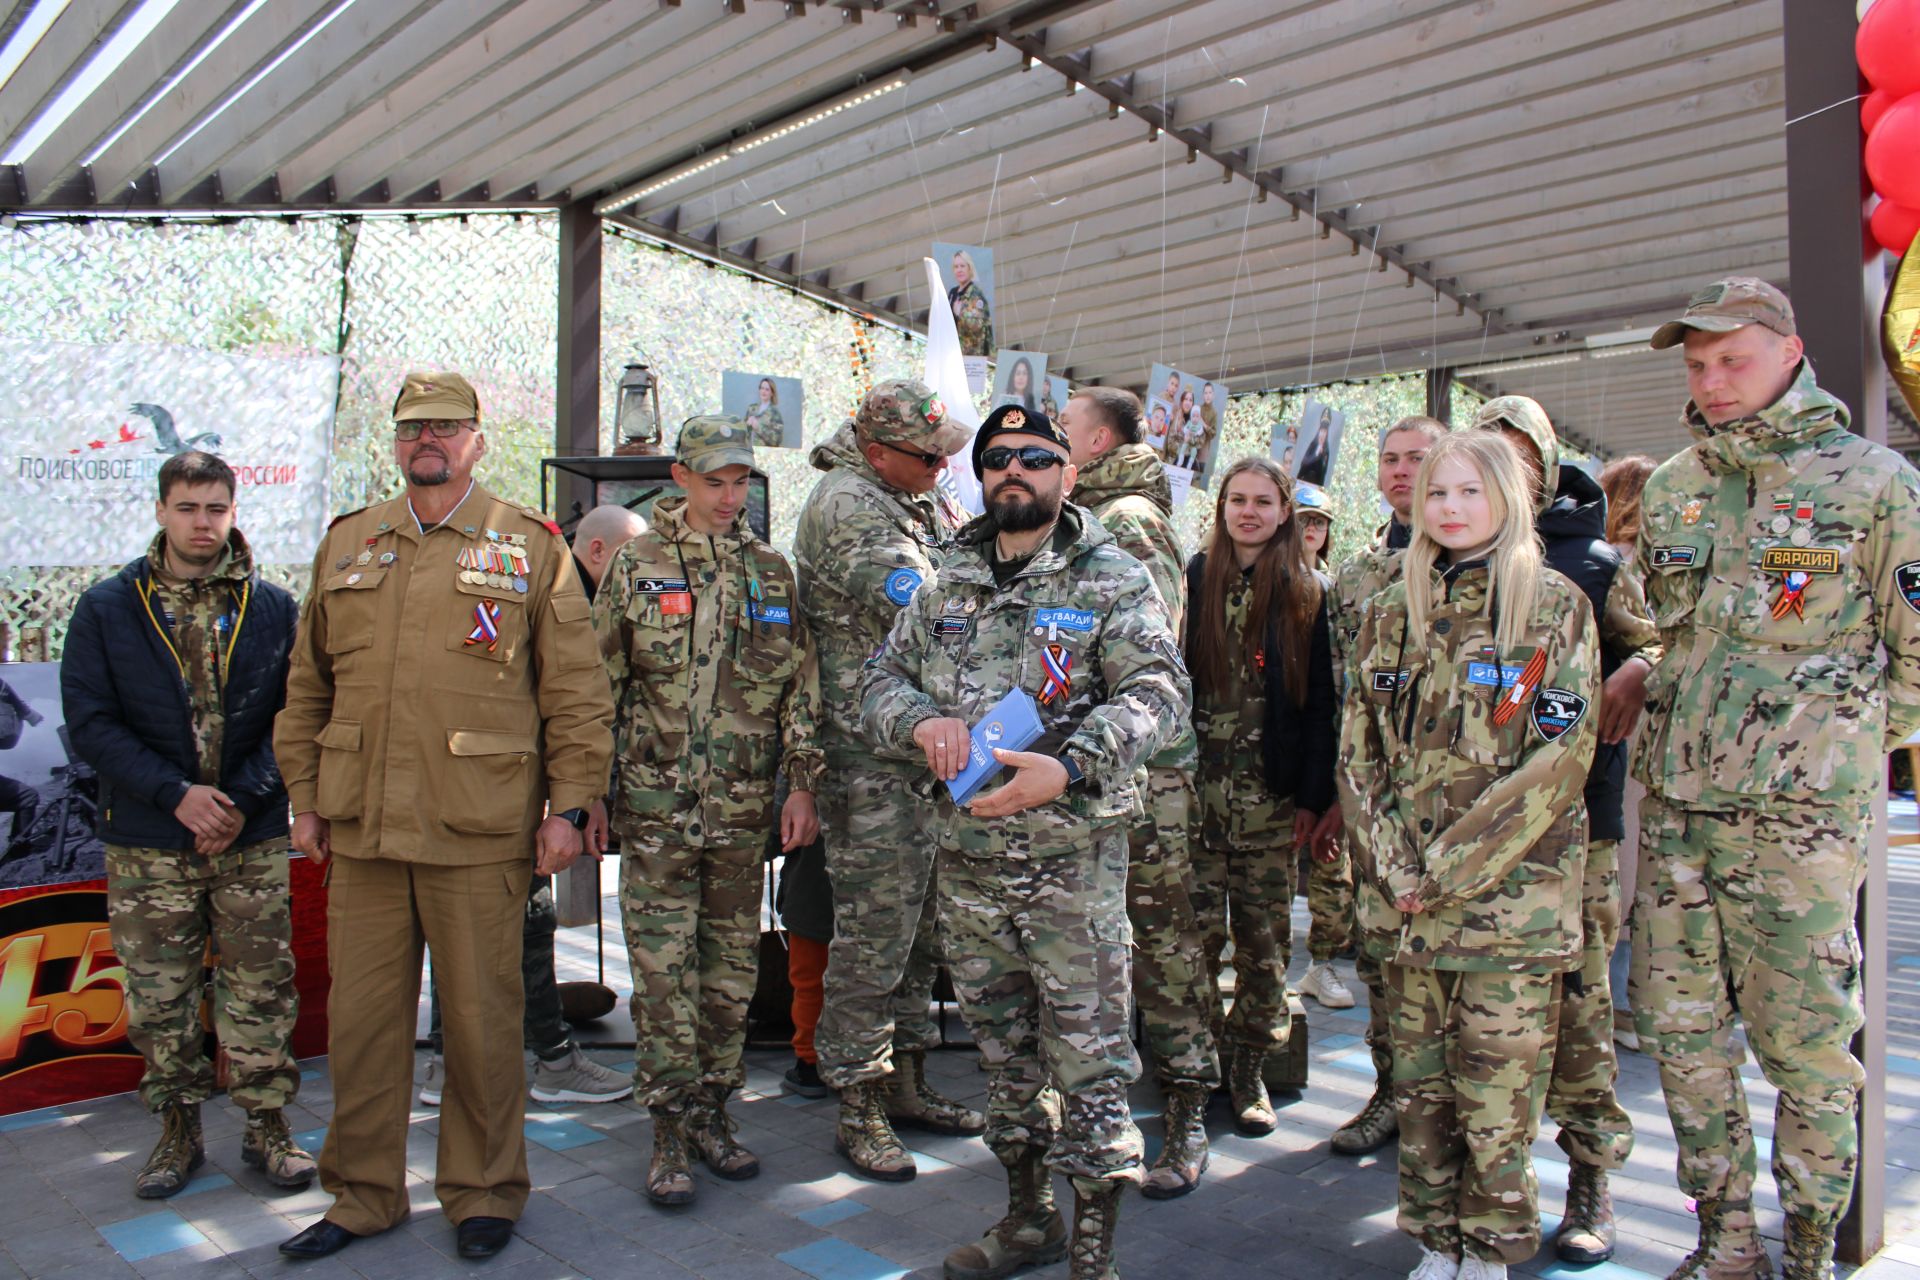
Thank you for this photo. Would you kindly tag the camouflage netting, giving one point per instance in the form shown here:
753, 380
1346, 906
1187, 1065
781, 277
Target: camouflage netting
477, 294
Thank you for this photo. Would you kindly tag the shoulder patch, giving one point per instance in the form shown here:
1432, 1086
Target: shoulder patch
1669, 557
1906, 580
1555, 711
901, 584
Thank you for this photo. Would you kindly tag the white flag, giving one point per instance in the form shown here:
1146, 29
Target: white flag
947, 379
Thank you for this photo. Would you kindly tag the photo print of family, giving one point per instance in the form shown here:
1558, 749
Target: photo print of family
1020, 378
1184, 416
1305, 449
967, 272
770, 406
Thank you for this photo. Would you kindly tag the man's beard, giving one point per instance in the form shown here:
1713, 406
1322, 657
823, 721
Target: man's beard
1014, 511
440, 471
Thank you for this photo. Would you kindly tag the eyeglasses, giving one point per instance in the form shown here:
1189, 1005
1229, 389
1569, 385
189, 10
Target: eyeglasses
438, 430
1032, 458
928, 460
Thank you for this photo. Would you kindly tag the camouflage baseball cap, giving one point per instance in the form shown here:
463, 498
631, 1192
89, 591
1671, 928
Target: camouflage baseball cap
1726, 305
905, 411
711, 441
435, 397
1308, 496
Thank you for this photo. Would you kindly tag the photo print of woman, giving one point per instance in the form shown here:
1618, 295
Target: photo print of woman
769, 405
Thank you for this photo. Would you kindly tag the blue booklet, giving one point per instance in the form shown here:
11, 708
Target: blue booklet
1011, 724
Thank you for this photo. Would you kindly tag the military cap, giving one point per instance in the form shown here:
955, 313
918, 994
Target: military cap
712, 441
436, 397
905, 411
1013, 419
1726, 305
1308, 496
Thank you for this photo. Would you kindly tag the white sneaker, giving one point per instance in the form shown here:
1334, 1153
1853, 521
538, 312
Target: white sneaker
1323, 982
1472, 1268
578, 1078
433, 1082
1435, 1266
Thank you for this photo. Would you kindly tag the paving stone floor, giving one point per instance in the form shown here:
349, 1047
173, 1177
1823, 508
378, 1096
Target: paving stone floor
1277, 1206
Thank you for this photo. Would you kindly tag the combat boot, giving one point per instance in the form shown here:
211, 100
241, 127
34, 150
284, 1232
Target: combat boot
178, 1153
1586, 1230
1031, 1235
1729, 1247
1183, 1157
710, 1131
268, 1146
912, 1103
1808, 1254
1096, 1213
1252, 1110
865, 1137
1377, 1124
669, 1179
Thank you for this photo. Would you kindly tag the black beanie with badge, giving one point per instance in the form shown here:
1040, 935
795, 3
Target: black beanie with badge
1010, 419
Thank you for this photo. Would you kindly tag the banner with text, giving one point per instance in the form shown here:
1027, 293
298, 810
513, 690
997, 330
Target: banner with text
84, 430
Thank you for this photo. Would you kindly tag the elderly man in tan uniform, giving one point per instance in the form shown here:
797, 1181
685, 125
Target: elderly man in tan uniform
447, 726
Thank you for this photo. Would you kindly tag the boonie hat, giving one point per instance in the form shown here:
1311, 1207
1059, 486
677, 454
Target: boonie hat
905, 411
712, 441
444, 396
1308, 496
1011, 419
1726, 305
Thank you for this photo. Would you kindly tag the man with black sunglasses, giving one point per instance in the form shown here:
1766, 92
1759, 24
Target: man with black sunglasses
1032, 873
867, 539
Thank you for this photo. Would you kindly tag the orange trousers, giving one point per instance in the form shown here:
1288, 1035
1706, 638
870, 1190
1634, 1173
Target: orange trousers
806, 969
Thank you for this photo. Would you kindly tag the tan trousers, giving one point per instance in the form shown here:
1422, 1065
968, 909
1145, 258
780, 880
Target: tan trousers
380, 915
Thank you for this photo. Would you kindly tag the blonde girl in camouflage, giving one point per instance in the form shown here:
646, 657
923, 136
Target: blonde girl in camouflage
763, 417
1465, 744
1258, 651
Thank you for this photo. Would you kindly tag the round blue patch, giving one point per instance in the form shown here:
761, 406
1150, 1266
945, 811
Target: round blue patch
901, 584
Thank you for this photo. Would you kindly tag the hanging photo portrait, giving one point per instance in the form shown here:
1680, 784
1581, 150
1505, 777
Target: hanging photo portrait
1316, 443
1194, 412
1285, 444
770, 406
1058, 393
1020, 378
967, 272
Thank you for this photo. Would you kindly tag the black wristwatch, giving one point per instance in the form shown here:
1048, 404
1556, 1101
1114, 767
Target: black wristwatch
1075, 778
578, 817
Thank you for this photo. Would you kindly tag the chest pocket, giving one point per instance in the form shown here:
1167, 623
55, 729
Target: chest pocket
1055, 665
659, 626
768, 655
1799, 597
488, 623
1393, 695
1485, 695
352, 605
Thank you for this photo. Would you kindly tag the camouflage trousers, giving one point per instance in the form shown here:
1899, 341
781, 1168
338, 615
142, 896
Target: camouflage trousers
1248, 890
1169, 970
1594, 1128
1469, 1068
1330, 904
1040, 952
1371, 969
162, 907
885, 951
691, 917
1751, 915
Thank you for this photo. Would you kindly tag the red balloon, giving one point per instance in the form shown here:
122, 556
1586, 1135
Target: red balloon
1895, 226
1893, 151
1888, 46
1873, 107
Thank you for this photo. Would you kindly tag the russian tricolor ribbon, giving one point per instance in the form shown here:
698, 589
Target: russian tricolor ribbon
486, 616
1059, 664
1792, 587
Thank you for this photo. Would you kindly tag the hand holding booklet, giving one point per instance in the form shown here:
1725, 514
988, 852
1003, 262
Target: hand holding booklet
1011, 724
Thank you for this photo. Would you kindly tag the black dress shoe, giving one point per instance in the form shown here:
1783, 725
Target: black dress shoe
320, 1240
484, 1237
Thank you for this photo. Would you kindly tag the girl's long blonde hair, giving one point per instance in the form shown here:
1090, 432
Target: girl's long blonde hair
1514, 562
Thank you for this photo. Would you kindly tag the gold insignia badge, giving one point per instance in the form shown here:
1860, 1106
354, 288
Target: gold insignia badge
1014, 420
1691, 512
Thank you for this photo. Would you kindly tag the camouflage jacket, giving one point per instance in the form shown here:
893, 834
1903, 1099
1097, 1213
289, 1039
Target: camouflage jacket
715, 682
198, 615
1781, 557
862, 549
1484, 821
1126, 488
963, 643
1361, 578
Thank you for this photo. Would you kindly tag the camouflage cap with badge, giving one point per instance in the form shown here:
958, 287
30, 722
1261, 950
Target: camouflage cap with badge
436, 397
1726, 305
1308, 496
905, 411
712, 441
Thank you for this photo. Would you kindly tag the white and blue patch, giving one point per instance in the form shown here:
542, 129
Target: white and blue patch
659, 586
1555, 711
1064, 619
1493, 677
778, 614
901, 584
952, 626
